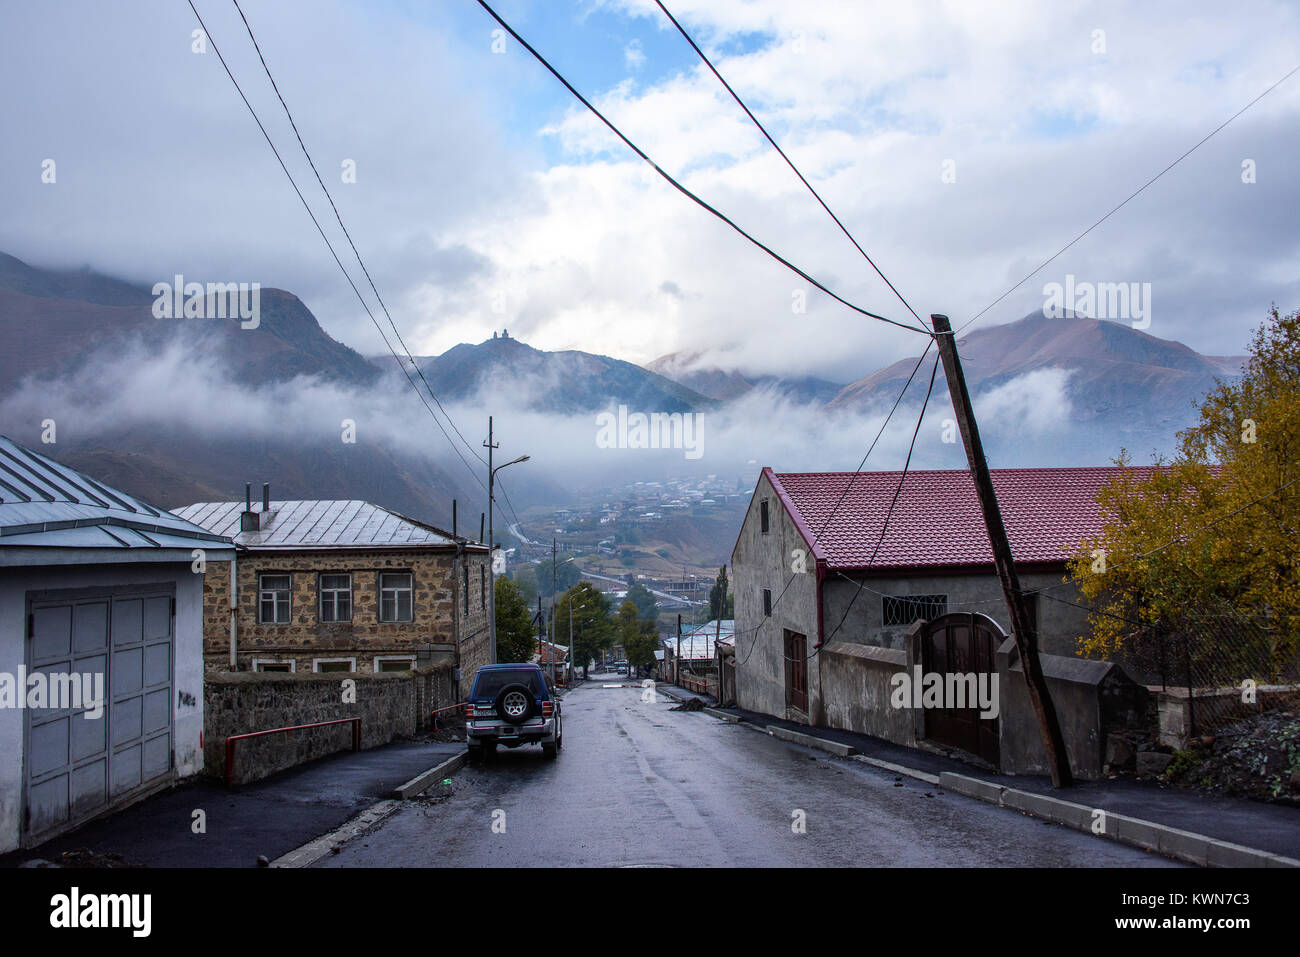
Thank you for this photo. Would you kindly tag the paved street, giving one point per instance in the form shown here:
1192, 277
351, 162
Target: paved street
638, 784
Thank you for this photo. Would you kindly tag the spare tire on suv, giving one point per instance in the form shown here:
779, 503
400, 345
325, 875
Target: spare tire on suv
515, 703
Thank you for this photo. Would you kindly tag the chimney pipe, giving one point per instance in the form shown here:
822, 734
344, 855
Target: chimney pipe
481, 518
453, 519
266, 496
248, 496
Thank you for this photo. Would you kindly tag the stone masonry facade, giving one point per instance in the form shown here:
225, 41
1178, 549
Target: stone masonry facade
449, 612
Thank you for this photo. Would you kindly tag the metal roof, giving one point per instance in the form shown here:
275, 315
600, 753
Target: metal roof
699, 640
47, 505
314, 524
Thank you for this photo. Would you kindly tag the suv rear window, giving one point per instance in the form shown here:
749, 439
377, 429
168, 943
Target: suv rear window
487, 684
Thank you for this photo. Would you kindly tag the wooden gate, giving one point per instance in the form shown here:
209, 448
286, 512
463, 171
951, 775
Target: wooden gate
962, 644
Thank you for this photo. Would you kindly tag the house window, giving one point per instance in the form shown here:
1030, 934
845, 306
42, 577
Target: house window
320, 665
395, 596
273, 591
336, 597
394, 663
899, 610
762, 516
287, 665
767, 602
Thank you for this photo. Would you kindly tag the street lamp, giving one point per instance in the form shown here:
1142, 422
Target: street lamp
492, 582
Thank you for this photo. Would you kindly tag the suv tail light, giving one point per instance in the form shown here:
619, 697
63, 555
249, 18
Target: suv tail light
547, 709
469, 712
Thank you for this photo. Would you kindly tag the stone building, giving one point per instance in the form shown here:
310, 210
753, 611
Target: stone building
826, 594
341, 586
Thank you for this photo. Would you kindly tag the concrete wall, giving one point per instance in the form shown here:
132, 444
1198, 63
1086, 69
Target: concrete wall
765, 561
1093, 699
388, 705
187, 717
1059, 625
440, 624
855, 687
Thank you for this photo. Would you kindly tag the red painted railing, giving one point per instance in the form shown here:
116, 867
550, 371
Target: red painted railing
236, 738
433, 715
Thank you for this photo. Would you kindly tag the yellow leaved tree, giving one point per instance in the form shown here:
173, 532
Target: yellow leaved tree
1198, 564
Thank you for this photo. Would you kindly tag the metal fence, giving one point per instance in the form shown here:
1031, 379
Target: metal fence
1223, 662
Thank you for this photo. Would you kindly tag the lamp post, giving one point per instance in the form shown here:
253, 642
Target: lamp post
492, 581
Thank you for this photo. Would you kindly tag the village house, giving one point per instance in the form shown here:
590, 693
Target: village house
341, 586
101, 647
828, 599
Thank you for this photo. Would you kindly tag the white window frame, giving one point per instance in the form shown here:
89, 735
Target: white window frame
261, 592
379, 611
320, 598
292, 663
317, 662
410, 659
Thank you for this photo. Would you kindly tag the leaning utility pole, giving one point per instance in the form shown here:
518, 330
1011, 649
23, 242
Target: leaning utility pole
1022, 622
492, 582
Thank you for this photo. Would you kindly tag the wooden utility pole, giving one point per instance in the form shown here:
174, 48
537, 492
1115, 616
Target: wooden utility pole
1022, 622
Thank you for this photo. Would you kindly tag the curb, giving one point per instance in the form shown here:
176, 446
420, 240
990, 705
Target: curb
1147, 835
932, 779
729, 718
798, 737
424, 780
314, 850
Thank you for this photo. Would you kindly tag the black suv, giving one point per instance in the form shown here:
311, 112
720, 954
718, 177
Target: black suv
511, 705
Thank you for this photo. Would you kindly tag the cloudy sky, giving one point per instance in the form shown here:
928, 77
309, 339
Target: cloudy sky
486, 197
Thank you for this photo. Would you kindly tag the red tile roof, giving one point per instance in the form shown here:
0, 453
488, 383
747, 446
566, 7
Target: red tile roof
937, 522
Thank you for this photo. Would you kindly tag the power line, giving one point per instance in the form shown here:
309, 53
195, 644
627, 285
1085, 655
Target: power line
788, 161
325, 189
1131, 196
679, 187
767, 615
320, 230
888, 515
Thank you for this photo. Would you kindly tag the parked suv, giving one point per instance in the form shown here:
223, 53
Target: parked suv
511, 705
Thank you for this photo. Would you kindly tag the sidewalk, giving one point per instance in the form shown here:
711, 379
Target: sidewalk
266, 818
1272, 828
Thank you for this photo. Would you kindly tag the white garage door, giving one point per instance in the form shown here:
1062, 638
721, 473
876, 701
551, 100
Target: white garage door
77, 765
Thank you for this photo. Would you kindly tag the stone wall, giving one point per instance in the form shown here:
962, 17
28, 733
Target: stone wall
388, 705
446, 620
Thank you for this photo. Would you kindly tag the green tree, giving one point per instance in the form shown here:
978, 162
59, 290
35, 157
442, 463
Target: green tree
722, 603
566, 574
646, 606
639, 638
516, 639
1213, 535
592, 629
525, 578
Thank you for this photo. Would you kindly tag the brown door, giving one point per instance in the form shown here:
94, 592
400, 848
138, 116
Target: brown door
796, 670
962, 644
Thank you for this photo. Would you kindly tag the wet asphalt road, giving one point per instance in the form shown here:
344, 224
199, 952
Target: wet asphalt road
638, 784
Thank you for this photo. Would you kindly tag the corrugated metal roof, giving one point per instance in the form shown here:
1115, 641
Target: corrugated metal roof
317, 524
44, 504
937, 521
697, 642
